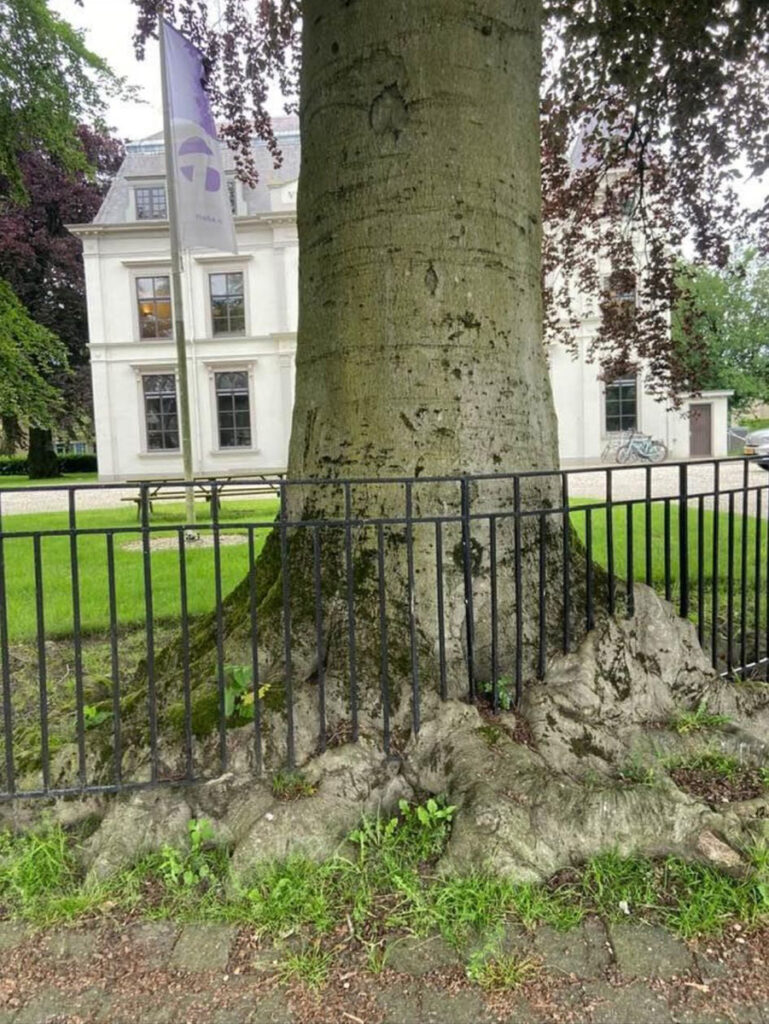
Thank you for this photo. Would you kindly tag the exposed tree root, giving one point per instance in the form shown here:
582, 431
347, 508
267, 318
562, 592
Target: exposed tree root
522, 812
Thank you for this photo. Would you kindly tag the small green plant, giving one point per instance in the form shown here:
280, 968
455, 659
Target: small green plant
239, 692
501, 972
188, 869
291, 785
697, 719
505, 691
637, 774
94, 716
711, 761
310, 967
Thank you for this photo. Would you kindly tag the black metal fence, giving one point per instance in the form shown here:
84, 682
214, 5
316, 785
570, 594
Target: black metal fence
125, 663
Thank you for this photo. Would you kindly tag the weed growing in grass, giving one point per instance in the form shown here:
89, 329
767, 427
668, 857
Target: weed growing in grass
502, 972
697, 719
709, 761
636, 774
94, 716
291, 785
310, 967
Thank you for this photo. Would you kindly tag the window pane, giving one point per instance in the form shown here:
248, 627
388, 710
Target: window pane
144, 287
218, 284
235, 284
162, 288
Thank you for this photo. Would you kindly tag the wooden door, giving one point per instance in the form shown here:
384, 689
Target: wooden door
700, 430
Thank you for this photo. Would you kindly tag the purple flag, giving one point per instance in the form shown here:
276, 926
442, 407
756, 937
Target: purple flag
202, 199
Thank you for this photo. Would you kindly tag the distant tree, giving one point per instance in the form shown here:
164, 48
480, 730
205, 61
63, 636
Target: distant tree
720, 327
43, 262
50, 82
31, 357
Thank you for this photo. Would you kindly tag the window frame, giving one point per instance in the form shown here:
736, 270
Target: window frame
142, 374
229, 366
153, 274
154, 187
620, 382
226, 270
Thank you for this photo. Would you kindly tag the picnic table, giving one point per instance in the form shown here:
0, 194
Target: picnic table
251, 484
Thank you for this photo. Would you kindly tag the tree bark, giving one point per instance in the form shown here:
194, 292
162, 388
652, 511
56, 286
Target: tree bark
42, 461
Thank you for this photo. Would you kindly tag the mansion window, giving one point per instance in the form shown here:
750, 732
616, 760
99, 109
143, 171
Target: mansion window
620, 287
228, 306
621, 405
161, 412
233, 411
153, 296
151, 203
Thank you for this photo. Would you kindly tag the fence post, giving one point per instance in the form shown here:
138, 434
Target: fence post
683, 536
467, 565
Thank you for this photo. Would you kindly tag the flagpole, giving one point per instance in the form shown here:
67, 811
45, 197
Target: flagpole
185, 419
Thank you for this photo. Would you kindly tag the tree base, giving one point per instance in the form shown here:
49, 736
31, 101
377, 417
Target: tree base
581, 770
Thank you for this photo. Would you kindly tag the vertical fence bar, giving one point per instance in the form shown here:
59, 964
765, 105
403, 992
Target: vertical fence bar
716, 540
566, 565
117, 739
629, 560
319, 641
289, 681
542, 654
589, 610
384, 681
667, 551
701, 570
5, 657
221, 684
42, 666
518, 569
252, 602
730, 587
76, 638
440, 608
467, 566
185, 638
610, 540
648, 528
744, 567
683, 539
494, 614
352, 653
757, 582
415, 710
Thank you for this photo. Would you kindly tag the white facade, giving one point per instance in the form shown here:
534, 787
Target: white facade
122, 254
126, 253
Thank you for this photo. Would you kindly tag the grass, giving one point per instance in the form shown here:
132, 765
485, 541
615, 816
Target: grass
697, 720
290, 785
503, 972
129, 568
59, 481
385, 886
755, 424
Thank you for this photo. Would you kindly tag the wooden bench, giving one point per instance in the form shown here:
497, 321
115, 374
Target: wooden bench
254, 484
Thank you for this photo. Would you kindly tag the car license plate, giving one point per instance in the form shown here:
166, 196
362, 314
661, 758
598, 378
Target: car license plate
750, 450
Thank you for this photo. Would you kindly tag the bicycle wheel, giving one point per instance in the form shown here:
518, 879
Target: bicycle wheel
658, 451
624, 454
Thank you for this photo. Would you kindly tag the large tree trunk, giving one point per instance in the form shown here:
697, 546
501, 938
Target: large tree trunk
420, 321
42, 461
419, 355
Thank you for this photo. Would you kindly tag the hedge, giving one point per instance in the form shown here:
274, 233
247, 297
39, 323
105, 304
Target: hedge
16, 465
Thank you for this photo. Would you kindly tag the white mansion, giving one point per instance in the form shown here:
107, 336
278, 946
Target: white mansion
241, 321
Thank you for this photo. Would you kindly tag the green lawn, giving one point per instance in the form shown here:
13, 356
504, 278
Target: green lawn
600, 549
129, 567
59, 481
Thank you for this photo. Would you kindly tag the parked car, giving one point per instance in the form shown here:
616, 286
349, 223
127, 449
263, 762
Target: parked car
757, 444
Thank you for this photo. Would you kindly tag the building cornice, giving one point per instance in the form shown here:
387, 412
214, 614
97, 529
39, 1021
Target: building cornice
160, 227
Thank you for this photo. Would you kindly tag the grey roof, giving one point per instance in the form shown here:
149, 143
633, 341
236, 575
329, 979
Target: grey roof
145, 159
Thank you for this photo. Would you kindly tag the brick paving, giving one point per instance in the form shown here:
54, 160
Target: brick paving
160, 973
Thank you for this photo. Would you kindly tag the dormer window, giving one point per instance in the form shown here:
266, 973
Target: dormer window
151, 203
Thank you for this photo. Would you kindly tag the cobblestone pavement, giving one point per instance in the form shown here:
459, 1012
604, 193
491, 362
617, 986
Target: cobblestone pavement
160, 973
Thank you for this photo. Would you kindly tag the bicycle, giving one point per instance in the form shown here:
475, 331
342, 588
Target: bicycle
641, 447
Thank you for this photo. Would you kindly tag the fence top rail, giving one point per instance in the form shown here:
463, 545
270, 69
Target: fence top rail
245, 526
281, 483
